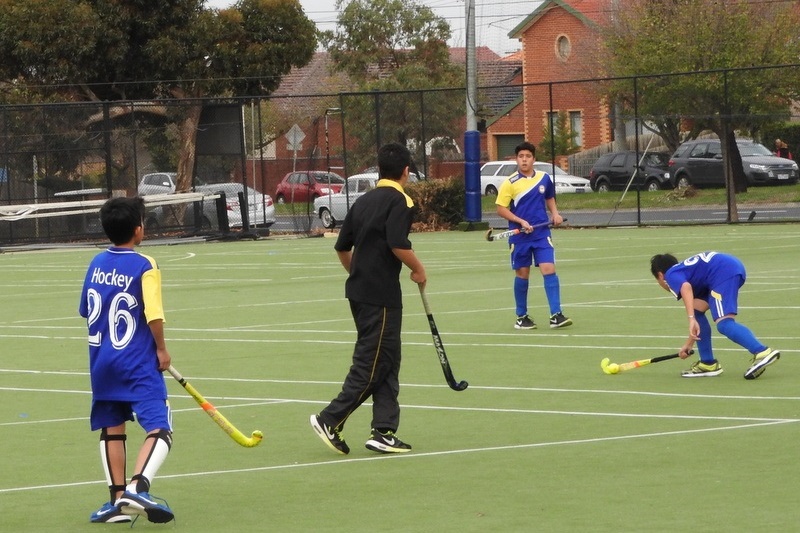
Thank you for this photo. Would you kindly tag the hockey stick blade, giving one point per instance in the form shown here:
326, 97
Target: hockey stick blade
216, 416
439, 346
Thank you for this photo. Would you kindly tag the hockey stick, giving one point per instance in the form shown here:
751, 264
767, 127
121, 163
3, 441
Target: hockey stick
614, 368
511, 232
437, 343
216, 416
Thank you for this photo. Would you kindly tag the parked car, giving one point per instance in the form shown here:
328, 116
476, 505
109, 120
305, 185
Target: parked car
157, 183
613, 171
307, 185
493, 173
416, 176
261, 209
565, 182
699, 163
332, 208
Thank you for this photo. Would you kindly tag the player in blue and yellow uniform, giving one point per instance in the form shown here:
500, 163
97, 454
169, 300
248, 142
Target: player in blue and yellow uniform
121, 301
524, 199
710, 281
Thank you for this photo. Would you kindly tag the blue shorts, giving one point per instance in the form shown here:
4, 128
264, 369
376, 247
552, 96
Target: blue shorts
151, 414
527, 253
723, 298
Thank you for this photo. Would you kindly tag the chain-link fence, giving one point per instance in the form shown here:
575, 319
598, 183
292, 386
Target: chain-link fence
58, 160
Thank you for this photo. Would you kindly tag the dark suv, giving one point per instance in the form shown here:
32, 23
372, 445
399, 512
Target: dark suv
613, 171
699, 163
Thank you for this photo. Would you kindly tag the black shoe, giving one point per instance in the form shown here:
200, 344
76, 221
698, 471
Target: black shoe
524, 322
558, 320
386, 443
329, 436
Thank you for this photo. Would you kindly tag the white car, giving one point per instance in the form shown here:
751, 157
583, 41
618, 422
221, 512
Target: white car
333, 207
493, 173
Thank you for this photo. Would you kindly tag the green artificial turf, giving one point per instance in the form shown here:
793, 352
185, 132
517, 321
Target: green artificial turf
541, 440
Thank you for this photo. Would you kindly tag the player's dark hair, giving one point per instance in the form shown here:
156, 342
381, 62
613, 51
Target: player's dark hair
662, 263
120, 217
525, 145
393, 158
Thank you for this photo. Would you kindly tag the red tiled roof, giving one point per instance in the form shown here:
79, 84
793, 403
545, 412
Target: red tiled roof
482, 53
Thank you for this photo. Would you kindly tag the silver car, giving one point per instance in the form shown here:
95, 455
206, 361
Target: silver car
261, 209
157, 183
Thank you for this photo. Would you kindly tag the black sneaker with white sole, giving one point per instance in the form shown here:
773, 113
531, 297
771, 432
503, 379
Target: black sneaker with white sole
558, 320
386, 443
524, 322
330, 436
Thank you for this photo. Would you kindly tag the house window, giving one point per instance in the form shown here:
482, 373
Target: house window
563, 47
575, 127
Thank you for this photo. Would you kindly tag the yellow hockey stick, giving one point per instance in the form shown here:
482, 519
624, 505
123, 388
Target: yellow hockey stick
216, 416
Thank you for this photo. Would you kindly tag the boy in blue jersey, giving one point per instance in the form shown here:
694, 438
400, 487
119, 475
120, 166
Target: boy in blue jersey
524, 200
121, 301
710, 281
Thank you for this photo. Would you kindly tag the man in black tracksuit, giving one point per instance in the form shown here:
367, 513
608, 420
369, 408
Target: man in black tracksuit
373, 246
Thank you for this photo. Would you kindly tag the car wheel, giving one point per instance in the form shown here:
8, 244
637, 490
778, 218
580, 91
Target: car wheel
652, 185
490, 191
683, 182
326, 218
603, 186
280, 199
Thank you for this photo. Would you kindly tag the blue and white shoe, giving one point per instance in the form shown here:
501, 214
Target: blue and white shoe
141, 503
109, 513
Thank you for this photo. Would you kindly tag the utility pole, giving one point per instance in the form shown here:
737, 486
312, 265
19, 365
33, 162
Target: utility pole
472, 138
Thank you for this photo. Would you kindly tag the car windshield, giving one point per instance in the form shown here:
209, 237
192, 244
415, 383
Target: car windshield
656, 159
328, 178
547, 167
746, 149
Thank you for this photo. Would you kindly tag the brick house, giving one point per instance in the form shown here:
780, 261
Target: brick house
557, 38
307, 97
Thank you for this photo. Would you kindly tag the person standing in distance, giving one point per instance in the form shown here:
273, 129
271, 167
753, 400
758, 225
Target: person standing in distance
373, 246
121, 302
524, 199
710, 281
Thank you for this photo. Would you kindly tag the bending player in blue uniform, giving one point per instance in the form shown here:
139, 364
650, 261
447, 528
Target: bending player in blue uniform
524, 200
121, 301
710, 281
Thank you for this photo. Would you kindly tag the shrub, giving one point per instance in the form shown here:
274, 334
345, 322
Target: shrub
440, 203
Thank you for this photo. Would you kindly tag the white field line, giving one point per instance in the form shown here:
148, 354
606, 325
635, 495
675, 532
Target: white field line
420, 455
410, 385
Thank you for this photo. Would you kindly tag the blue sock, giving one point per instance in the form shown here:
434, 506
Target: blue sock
740, 334
553, 291
704, 344
521, 295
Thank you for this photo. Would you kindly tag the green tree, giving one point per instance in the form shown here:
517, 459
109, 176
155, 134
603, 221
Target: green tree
394, 49
559, 136
106, 50
725, 36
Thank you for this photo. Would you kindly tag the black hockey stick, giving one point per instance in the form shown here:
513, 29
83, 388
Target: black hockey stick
437, 343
